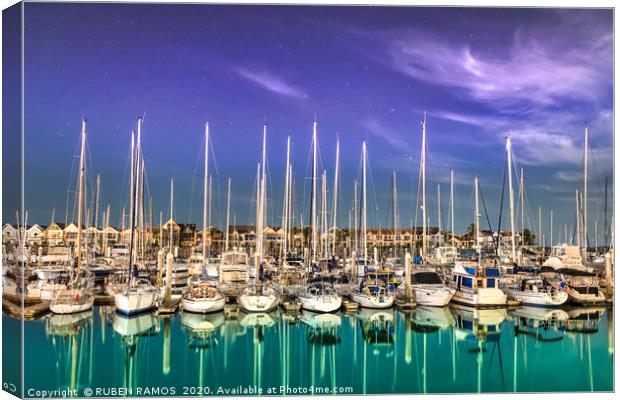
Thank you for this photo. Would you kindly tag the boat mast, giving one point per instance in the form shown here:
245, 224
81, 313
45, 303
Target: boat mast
97, 211
423, 167
227, 240
578, 220
335, 199
205, 195
313, 221
364, 218
477, 218
394, 211
81, 196
170, 234
324, 227
452, 205
585, 194
261, 209
285, 211
522, 192
512, 201
355, 220
438, 210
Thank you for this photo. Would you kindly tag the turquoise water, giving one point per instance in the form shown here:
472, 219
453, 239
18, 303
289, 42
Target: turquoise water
424, 351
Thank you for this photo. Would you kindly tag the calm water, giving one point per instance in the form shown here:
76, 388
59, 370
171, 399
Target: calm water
426, 350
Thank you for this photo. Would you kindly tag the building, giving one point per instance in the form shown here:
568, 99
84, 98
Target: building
54, 234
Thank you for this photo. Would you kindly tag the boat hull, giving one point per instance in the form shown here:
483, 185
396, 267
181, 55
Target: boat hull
133, 304
203, 306
372, 301
258, 303
480, 298
67, 308
321, 304
539, 299
433, 297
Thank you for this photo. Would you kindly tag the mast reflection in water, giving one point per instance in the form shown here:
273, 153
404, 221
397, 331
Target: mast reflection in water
426, 350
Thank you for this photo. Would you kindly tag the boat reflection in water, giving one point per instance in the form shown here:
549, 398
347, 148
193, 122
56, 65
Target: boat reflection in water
429, 349
544, 324
202, 336
131, 330
480, 330
72, 339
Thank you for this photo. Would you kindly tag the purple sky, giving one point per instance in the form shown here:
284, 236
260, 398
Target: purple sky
367, 73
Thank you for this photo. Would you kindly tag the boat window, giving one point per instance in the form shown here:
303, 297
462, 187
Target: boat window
467, 282
491, 272
491, 283
425, 278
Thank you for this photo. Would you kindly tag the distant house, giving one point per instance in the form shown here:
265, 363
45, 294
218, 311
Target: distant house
36, 235
170, 225
109, 236
54, 234
187, 235
70, 234
9, 234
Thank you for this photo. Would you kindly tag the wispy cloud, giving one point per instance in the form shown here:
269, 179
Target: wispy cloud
568, 176
531, 73
270, 82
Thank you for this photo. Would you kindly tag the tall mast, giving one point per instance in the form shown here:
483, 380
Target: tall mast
522, 192
452, 205
512, 200
423, 168
131, 200
364, 217
324, 213
97, 210
578, 219
227, 219
585, 193
313, 221
540, 227
477, 216
394, 210
355, 220
256, 240
439, 209
81, 196
285, 211
205, 194
261, 208
136, 203
170, 235
551, 233
335, 199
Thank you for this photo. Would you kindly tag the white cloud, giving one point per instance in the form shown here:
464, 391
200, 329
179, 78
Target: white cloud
270, 82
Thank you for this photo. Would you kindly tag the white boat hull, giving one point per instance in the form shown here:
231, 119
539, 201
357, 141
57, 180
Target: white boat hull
487, 297
203, 306
258, 303
66, 308
539, 299
372, 301
135, 303
434, 297
321, 304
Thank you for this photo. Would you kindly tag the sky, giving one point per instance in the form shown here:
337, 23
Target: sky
365, 73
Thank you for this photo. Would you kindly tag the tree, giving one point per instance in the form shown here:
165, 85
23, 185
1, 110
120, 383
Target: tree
528, 237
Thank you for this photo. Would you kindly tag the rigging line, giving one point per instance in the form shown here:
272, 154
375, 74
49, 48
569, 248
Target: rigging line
501, 206
486, 214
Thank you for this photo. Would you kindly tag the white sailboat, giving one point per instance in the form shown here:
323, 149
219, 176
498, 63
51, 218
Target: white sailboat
203, 295
77, 296
535, 291
373, 290
139, 295
477, 286
260, 297
319, 294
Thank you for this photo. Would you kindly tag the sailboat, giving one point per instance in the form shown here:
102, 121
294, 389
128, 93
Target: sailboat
319, 294
373, 290
139, 295
260, 297
203, 295
476, 285
77, 296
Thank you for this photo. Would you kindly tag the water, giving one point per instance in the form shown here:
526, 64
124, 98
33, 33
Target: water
428, 350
